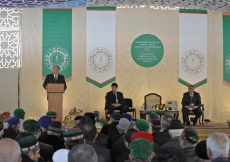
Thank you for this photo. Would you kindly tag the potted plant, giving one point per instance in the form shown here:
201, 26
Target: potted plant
228, 122
100, 121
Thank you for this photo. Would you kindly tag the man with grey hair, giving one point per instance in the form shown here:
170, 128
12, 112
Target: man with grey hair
163, 137
218, 147
9, 151
82, 153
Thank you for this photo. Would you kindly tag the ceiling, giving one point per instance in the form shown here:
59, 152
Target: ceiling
221, 5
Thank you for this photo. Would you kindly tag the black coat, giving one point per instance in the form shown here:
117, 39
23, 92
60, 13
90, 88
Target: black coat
190, 154
26, 158
162, 137
196, 100
105, 129
100, 150
117, 149
111, 98
101, 140
50, 79
174, 142
43, 137
56, 142
46, 151
10, 133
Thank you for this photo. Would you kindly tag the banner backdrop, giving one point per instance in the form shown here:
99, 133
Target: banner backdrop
57, 42
193, 47
101, 45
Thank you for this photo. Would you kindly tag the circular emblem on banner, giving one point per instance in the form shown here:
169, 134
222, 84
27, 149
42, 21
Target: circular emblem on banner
100, 60
227, 63
193, 62
57, 56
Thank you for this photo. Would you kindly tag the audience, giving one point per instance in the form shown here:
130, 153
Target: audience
83, 153
13, 128
115, 117
72, 138
201, 152
44, 122
61, 155
218, 147
170, 154
9, 151
20, 113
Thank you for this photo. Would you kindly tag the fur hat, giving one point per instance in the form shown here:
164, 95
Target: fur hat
31, 126
13, 121
45, 121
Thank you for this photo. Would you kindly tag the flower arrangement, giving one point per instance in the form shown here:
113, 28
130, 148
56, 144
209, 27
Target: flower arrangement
4, 116
160, 107
102, 121
69, 119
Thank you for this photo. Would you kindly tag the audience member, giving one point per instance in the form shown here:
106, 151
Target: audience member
60, 155
77, 119
13, 128
114, 121
72, 138
188, 141
141, 150
120, 150
52, 115
44, 122
218, 147
127, 116
29, 148
201, 152
151, 116
9, 151
170, 154
163, 137
90, 132
91, 116
20, 113
82, 153
142, 125
175, 130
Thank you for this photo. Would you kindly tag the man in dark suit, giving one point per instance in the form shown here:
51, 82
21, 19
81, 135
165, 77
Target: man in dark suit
55, 77
115, 100
191, 102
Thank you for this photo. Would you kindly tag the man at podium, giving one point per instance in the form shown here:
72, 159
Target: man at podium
55, 78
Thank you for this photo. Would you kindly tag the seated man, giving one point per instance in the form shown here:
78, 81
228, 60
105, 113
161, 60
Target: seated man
115, 100
191, 102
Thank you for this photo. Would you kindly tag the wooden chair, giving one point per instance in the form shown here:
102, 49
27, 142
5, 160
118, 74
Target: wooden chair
201, 118
129, 105
151, 99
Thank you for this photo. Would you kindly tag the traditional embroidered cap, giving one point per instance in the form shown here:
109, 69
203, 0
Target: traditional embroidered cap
175, 124
44, 121
55, 126
142, 125
156, 122
123, 124
201, 150
143, 134
116, 116
141, 148
31, 126
190, 135
154, 115
13, 121
60, 155
73, 134
78, 118
51, 113
28, 143
127, 116
19, 112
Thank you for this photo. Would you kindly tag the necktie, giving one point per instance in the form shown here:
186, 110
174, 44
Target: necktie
116, 96
55, 78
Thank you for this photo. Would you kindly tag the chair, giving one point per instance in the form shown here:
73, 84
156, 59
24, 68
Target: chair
202, 116
151, 100
129, 105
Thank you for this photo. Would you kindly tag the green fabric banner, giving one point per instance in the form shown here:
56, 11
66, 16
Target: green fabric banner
57, 41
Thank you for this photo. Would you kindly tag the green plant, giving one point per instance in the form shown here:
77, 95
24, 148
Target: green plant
228, 122
101, 120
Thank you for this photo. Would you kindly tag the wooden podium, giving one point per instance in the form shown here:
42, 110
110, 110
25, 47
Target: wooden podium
55, 98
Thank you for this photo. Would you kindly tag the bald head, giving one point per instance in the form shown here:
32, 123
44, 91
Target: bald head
9, 151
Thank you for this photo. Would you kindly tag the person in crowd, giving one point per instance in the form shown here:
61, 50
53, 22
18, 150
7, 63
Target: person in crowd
115, 100
201, 152
120, 150
1, 128
9, 151
127, 116
142, 125
141, 150
175, 130
170, 154
91, 116
60, 155
54, 135
44, 122
218, 147
163, 137
90, 132
52, 115
82, 153
77, 119
20, 113
188, 141
13, 128
32, 126
114, 122
117, 132
191, 102
151, 116
72, 138
29, 148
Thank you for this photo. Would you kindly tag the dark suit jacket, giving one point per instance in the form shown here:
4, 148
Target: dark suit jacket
100, 150
10, 133
162, 137
111, 98
196, 100
46, 151
117, 149
173, 143
56, 142
105, 129
50, 79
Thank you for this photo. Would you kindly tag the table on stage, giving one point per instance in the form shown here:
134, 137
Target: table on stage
175, 113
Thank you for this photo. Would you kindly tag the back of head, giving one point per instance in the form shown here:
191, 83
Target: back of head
201, 150
166, 120
90, 131
170, 154
20, 113
9, 150
82, 153
21, 135
218, 144
128, 135
91, 116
